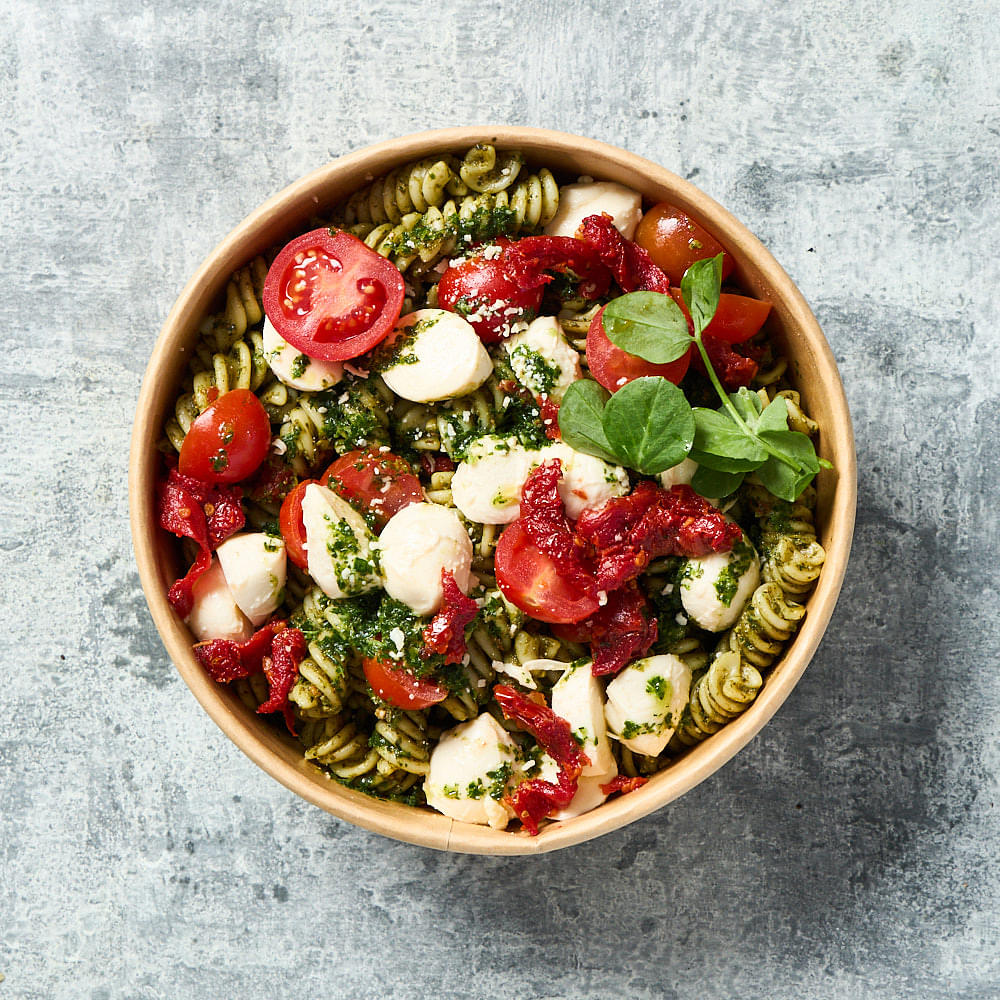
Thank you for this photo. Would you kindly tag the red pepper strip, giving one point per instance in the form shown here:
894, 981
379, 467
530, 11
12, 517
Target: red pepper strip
181, 594
629, 532
226, 660
621, 631
632, 267
543, 517
536, 798
288, 650
564, 253
623, 785
734, 370
446, 632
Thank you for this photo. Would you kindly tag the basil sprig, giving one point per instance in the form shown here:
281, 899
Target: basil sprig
648, 424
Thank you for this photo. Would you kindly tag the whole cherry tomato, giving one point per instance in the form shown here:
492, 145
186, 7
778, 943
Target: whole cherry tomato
228, 441
675, 241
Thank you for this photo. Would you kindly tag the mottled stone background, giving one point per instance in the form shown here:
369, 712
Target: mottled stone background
849, 851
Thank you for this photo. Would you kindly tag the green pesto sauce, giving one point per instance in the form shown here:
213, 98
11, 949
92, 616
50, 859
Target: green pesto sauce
632, 729
498, 781
299, 366
657, 686
728, 581
534, 370
476, 789
401, 350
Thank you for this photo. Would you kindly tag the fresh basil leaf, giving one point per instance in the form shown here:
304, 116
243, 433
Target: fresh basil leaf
649, 424
775, 417
649, 325
715, 484
748, 406
718, 435
700, 287
782, 479
580, 419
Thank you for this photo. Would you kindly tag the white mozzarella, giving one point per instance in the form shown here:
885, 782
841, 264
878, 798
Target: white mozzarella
486, 487
415, 546
542, 360
588, 788
679, 475
296, 369
578, 697
715, 588
460, 783
254, 567
645, 701
338, 544
577, 201
435, 355
215, 614
586, 481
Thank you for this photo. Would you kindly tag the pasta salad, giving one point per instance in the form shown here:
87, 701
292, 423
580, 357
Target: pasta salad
493, 489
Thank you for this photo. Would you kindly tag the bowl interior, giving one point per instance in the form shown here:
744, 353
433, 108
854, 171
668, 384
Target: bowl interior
792, 325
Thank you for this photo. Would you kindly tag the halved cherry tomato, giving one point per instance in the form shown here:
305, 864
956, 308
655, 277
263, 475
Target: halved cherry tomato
737, 317
293, 530
331, 296
492, 290
228, 441
399, 687
531, 580
379, 482
613, 367
675, 241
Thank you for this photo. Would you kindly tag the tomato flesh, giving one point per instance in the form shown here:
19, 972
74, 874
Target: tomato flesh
399, 687
531, 581
378, 482
332, 297
675, 241
492, 292
613, 367
228, 441
293, 529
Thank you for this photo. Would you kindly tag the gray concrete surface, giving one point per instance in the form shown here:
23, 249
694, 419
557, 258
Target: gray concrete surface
850, 851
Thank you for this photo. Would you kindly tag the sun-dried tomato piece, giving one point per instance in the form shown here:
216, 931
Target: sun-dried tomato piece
537, 798
734, 370
549, 414
629, 532
564, 253
624, 629
220, 505
622, 784
181, 594
543, 518
446, 632
226, 660
272, 482
632, 267
180, 511
288, 650
431, 462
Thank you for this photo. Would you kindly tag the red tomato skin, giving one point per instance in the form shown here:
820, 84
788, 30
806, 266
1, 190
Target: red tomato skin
293, 530
332, 297
530, 580
675, 241
609, 364
228, 441
401, 688
384, 492
737, 317
487, 284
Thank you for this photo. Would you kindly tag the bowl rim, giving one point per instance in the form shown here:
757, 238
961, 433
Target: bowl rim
405, 823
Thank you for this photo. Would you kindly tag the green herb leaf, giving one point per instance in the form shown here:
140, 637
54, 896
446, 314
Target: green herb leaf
649, 424
715, 484
775, 417
720, 443
700, 287
648, 324
781, 479
748, 406
580, 423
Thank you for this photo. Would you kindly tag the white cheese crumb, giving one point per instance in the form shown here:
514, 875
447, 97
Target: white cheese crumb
602, 598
